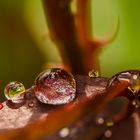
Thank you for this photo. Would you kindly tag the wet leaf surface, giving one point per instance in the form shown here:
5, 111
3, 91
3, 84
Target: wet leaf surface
41, 121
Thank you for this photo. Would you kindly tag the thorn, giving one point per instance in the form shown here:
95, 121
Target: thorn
99, 42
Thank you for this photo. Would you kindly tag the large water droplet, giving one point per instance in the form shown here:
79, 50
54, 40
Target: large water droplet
55, 86
14, 91
93, 74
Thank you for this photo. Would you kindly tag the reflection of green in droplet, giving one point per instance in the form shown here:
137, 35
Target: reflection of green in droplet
134, 84
14, 90
93, 74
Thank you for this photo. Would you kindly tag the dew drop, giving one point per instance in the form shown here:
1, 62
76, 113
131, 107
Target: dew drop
93, 74
14, 91
1, 106
109, 123
55, 86
108, 133
136, 102
132, 77
100, 120
31, 104
64, 132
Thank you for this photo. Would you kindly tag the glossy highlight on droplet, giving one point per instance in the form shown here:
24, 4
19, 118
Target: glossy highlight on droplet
93, 74
14, 91
55, 86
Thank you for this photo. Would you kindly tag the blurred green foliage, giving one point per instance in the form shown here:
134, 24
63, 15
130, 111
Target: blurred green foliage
123, 52
26, 47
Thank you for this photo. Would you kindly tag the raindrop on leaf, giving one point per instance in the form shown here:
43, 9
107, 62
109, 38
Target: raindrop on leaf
108, 133
93, 74
100, 120
64, 132
55, 86
14, 91
109, 123
31, 104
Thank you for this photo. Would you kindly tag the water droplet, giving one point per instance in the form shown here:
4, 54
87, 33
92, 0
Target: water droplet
108, 133
135, 83
31, 104
64, 132
136, 102
1, 106
55, 86
93, 74
14, 91
100, 120
109, 123
132, 77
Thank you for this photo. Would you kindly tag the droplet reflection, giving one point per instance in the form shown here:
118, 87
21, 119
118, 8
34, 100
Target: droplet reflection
14, 91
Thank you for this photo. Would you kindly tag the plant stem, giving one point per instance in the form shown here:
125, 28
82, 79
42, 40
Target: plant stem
62, 29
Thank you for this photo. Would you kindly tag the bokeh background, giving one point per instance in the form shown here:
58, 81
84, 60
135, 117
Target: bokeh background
25, 47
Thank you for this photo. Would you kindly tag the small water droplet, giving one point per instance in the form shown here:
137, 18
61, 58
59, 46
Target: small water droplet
55, 86
1, 106
31, 104
108, 133
109, 123
136, 102
14, 91
64, 132
93, 74
100, 120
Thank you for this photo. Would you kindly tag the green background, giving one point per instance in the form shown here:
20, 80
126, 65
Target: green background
25, 47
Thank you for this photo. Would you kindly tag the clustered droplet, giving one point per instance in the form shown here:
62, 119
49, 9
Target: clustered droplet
55, 86
14, 91
93, 74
